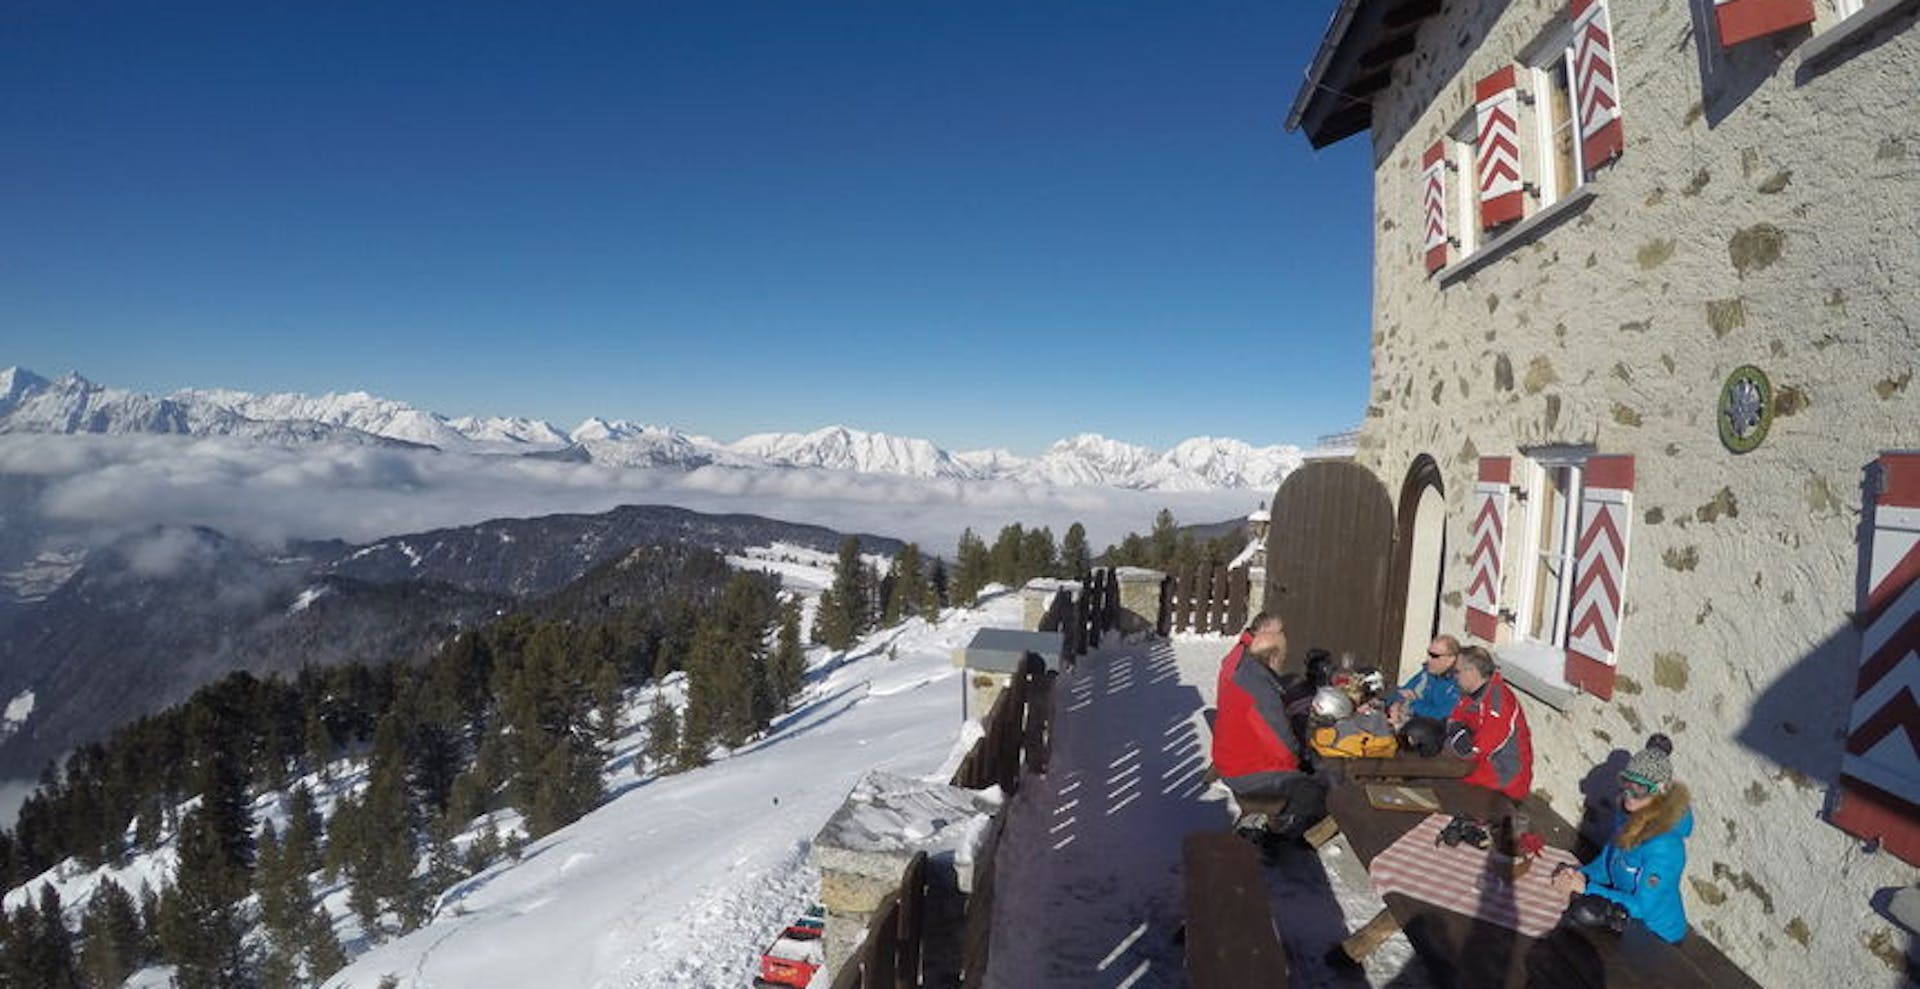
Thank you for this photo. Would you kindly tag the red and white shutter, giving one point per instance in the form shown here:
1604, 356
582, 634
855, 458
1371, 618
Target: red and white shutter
1744, 20
1496, 150
1489, 532
1880, 767
1600, 575
1596, 95
1433, 200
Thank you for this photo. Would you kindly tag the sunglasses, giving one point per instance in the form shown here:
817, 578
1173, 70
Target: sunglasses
1439, 655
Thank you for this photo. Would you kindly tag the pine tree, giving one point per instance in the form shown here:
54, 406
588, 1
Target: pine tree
1004, 558
846, 608
608, 696
788, 669
663, 737
52, 946
302, 842
1074, 559
909, 590
1037, 555
1164, 540
828, 626
200, 924
111, 939
972, 570
324, 954
115, 944
937, 589
381, 865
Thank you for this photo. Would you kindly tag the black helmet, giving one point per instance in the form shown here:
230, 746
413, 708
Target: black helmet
1423, 736
1319, 667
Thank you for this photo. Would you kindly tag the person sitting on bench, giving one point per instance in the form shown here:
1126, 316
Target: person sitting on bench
1255, 749
1489, 727
1637, 874
1431, 692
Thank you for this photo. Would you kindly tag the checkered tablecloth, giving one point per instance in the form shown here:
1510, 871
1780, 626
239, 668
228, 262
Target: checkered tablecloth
1472, 881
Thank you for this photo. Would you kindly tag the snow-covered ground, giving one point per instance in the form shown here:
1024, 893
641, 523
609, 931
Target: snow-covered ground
679, 881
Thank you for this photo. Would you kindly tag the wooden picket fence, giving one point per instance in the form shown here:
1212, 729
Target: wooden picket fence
1205, 599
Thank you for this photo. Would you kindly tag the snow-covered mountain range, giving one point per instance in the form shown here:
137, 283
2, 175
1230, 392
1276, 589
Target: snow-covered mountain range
30, 403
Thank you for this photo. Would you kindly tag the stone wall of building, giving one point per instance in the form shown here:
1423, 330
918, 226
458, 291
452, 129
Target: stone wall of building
1763, 214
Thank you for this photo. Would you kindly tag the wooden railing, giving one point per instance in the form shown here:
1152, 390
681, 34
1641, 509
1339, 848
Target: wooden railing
1085, 616
889, 956
1204, 598
1016, 731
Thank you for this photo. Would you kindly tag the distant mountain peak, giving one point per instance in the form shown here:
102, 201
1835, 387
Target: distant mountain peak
72, 404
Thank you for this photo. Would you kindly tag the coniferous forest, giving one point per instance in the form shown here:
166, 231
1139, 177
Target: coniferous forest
514, 716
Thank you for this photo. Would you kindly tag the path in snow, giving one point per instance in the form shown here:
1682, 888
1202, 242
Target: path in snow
1089, 882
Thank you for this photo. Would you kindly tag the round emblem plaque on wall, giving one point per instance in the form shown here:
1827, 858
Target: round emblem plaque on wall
1746, 408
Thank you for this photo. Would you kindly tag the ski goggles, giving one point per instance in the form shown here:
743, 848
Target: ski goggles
1635, 789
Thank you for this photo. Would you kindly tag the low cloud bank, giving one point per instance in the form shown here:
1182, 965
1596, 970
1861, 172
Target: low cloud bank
101, 487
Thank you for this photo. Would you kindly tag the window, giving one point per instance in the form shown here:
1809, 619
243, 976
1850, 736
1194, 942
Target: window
1524, 155
1550, 497
1559, 170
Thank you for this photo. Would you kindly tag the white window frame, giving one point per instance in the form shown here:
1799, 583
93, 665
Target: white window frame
1536, 463
1554, 47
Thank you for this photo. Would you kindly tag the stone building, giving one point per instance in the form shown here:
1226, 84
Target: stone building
1645, 319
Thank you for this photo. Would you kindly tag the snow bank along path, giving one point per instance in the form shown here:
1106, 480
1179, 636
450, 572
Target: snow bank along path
679, 881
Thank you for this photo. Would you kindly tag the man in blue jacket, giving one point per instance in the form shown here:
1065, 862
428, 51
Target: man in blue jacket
1432, 692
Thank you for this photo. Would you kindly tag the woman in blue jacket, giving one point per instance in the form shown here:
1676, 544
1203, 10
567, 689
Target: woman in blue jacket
1638, 872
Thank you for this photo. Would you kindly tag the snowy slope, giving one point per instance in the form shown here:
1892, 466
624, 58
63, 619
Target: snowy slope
679, 881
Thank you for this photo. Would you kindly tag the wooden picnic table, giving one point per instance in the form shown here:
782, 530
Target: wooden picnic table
1464, 950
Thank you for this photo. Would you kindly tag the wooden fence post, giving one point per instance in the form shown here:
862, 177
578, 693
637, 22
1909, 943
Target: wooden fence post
1237, 585
913, 903
1039, 705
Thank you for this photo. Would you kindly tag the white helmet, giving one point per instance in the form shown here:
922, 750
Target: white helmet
1330, 704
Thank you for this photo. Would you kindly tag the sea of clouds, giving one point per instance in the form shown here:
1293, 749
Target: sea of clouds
97, 488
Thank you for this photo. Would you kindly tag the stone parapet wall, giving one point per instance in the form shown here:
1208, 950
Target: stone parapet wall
1763, 215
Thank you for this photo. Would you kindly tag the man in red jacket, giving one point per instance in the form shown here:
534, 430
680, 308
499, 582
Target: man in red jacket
1488, 726
1255, 750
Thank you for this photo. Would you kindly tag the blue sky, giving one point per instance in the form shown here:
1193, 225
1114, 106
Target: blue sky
984, 223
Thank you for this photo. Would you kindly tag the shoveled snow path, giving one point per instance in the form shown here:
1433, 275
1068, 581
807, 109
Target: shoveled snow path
1090, 891
680, 881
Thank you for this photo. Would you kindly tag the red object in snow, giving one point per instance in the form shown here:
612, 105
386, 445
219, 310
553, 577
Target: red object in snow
794, 956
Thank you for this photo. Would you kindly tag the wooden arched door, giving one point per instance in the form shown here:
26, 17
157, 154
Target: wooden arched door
1328, 552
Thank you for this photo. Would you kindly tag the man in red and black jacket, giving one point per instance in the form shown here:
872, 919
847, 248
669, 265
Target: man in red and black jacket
1255, 750
1488, 726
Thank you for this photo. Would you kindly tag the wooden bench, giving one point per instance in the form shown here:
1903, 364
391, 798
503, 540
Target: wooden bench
1232, 939
1464, 951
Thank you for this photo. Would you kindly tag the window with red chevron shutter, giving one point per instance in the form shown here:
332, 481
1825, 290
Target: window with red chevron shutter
1744, 20
1486, 534
1496, 149
1433, 203
1879, 797
1600, 574
1596, 93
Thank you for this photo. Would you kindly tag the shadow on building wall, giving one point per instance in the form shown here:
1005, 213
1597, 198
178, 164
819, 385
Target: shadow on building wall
1728, 76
